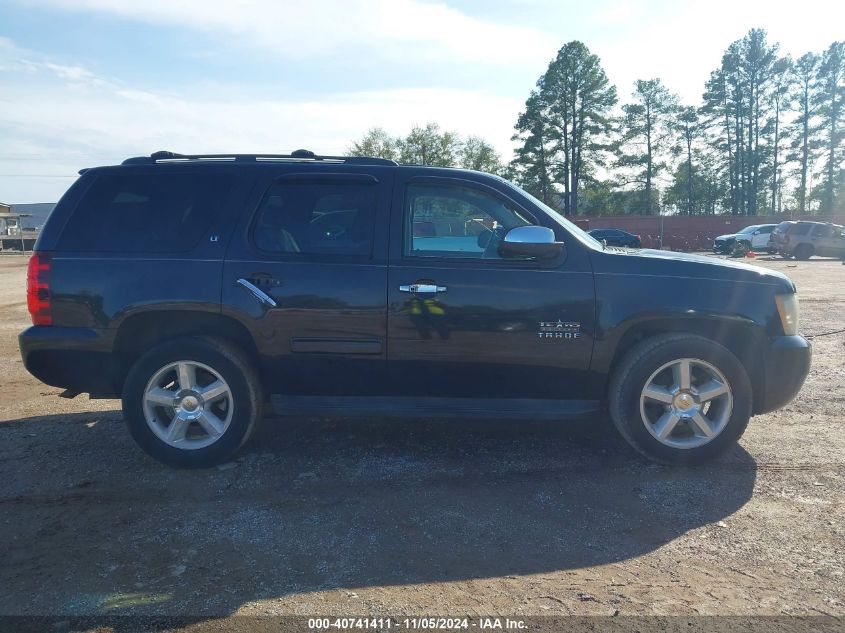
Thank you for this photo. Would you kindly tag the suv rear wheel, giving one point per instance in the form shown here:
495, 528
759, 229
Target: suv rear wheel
803, 251
192, 402
680, 398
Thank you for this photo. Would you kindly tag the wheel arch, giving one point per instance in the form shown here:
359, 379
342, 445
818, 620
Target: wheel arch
140, 332
740, 336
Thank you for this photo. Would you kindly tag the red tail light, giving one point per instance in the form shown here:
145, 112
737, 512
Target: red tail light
38, 289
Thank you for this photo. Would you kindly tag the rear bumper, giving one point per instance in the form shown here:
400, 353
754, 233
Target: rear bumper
79, 359
785, 369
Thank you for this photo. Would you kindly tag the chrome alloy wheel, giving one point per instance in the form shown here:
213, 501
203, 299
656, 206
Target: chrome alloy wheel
188, 405
686, 403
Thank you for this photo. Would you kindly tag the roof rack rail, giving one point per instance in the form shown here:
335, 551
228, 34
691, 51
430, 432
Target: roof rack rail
298, 155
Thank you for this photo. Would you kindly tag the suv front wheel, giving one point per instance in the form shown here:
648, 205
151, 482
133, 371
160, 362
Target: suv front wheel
192, 402
680, 398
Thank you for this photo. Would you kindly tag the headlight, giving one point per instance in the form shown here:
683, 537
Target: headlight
788, 310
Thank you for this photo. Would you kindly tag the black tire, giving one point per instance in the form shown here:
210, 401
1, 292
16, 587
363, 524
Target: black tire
630, 376
740, 249
803, 251
235, 368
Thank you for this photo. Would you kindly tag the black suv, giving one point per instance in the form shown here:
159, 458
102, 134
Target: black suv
202, 289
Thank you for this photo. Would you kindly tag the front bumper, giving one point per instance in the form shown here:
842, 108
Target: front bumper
79, 359
787, 363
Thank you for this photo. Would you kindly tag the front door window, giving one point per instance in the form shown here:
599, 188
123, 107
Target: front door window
457, 222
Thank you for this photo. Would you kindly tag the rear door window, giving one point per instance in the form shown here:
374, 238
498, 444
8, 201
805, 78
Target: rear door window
800, 229
146, 213
318, 217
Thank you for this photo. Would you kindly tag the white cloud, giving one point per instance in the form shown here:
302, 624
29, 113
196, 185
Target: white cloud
68, 118
393, 29
77, 74
681, 42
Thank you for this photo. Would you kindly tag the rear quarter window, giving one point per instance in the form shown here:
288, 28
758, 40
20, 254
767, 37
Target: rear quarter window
146, 213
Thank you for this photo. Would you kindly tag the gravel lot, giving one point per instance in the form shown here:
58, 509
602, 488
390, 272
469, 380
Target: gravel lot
391, 517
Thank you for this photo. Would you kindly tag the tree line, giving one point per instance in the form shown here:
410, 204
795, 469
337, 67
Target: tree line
429, 145
767, 137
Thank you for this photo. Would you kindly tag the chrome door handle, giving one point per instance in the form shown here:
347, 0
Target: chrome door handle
256, 292
422, 288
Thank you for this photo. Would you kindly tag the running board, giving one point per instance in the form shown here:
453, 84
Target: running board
422, 407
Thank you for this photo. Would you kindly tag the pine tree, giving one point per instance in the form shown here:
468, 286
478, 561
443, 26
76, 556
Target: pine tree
829, 99
737, 92
579, 99
689, 128
647, 134
782, 83
803, 130
531, 167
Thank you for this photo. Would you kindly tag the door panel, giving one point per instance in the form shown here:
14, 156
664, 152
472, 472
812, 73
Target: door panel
828, 241
315, 293
481, 326
760, 240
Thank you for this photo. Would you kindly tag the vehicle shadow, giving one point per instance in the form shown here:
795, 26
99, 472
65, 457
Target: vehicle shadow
318, 504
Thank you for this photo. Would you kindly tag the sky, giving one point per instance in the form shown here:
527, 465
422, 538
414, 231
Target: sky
91, 82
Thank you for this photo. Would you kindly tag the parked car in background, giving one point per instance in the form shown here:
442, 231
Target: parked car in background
616, 237
802, 240
777, 235
755, 237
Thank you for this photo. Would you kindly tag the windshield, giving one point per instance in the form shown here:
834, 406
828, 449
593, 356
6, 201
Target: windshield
576, 231
748, 229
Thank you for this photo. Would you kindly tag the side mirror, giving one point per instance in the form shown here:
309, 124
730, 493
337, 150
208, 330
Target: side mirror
531, 241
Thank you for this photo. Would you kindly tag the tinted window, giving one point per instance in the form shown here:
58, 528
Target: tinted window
800, 229
317, 217
766, 229
447, 221
146, 213
821, 230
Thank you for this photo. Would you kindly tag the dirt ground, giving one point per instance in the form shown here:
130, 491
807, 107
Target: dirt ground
393, 517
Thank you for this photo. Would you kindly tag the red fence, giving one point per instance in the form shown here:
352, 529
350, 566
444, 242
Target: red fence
688, 233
